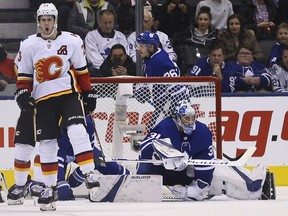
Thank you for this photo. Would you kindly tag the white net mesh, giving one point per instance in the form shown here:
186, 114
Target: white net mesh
128, 108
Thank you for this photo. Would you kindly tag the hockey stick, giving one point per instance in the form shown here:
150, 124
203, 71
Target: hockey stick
100, 160
232, 159
240, 162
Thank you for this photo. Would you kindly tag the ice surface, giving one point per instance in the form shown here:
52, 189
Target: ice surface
81, 207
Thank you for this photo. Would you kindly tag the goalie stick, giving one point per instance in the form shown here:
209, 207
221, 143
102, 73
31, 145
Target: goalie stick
232, 159
240, 162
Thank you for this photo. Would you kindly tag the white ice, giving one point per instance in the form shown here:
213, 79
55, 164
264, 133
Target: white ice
81, 207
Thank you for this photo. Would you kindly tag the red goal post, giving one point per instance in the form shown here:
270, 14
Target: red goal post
128, 107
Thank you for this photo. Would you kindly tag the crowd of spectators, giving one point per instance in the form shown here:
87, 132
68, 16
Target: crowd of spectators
189, 33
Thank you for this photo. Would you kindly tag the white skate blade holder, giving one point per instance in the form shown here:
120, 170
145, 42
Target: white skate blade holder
15, 202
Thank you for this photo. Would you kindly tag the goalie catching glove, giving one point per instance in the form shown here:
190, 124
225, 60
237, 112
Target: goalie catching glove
24, 99
89, 101
166, 154
174, 163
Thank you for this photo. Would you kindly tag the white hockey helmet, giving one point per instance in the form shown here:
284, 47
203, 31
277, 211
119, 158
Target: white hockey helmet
47, 9
185, 116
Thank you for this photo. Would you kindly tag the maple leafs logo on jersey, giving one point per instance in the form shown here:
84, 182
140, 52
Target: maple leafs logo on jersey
48, 68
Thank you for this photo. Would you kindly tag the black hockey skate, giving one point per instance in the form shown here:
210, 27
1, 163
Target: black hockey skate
92, 184
35, 188
268, 189
16, 195
48, 198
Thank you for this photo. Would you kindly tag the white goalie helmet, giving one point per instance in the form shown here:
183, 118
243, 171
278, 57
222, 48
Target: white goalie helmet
185, 116
47, 9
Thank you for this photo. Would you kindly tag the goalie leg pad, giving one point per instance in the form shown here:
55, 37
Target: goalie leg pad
238, 182
128, 188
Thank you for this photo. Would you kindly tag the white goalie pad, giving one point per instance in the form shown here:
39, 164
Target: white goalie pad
128, 188
238, 182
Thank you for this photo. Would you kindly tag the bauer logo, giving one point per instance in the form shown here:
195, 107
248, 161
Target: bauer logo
139, 177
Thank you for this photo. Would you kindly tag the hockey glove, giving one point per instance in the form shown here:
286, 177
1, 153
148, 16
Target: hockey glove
89, 100
64, 191
24, 99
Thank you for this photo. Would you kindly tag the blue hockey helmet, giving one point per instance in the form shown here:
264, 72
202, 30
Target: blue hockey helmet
185, 116
148, 37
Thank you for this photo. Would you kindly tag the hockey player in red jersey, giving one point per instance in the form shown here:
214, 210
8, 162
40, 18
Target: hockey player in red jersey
45, 82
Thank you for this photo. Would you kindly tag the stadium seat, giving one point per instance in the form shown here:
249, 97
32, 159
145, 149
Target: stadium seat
266, 46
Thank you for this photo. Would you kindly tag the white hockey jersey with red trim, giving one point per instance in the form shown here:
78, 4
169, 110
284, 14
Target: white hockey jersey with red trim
48, 62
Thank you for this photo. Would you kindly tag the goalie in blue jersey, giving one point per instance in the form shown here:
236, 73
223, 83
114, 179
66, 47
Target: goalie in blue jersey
189, 136
181, 137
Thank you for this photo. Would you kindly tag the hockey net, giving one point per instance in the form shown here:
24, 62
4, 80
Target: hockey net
128, 107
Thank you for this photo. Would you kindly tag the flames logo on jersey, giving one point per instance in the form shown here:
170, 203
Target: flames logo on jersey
48, 68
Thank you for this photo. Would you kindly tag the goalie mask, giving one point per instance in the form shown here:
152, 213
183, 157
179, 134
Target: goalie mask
185, 116
47, 9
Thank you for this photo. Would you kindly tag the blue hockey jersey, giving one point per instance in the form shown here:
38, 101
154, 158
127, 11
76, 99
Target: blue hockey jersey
198, 145
275, 53
160, 65
203, 68
66, 155
255, 69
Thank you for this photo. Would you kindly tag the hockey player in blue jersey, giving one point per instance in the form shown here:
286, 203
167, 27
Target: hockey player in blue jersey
76, 178
188, 136
214, 65
156, 61
192, 139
